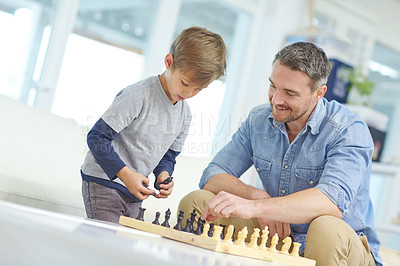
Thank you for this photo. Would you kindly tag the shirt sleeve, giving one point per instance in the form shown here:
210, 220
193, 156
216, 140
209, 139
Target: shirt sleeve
348, 163
234, 158
99, 141
125, 108
167, 163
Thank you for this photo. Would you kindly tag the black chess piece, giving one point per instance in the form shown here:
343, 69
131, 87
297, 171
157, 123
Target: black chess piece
223, 231
210, 231
167, 216
192, 219
157, 219
166, 181
187, 227
200, 226
178, 225
140, 214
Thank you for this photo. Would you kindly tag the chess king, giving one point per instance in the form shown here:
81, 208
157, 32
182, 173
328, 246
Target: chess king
313, 158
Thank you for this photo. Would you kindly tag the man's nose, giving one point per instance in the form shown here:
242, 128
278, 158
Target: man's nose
277, 98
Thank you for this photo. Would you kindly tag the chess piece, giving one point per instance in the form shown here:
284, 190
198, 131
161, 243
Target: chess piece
229, 234
178, 225
254, 238
192, 219
157, 219
241, 237
200, 225
274, 242
187, 227
295, 251
140, 214
166, 181
210, 231
223, 231
205, 231
217, 233
167, 216
264, 239
286, 245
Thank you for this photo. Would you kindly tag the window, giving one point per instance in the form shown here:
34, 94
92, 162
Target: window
206, 107
104, 55
25, 25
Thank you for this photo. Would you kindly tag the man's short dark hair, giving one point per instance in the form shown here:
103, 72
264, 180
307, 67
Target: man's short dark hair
308, 58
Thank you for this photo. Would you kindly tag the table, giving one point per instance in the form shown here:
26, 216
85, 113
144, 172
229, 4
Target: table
30, 236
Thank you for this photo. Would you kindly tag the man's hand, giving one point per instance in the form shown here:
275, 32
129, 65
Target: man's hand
166, 189
283, 229
136, 183
225, 204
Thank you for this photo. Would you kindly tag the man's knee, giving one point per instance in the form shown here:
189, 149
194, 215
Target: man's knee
326, 229
195, 200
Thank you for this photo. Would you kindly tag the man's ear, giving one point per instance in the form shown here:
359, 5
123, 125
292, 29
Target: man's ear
320, 92
168, 60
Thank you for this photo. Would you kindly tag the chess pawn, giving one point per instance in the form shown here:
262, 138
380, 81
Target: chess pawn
286, 245
274, 242
205, 231
254, 238
241, 237
200, 224
223, 231
140, 214
157, 219
295, 251
210, 231
187, 227
264, 239
229, 233
217, 233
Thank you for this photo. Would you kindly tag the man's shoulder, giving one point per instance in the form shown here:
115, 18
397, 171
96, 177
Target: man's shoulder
338, 113
262, 109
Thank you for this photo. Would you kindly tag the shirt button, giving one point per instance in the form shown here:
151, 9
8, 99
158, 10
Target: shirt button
311, 182
286, 166
258, 169
283, 191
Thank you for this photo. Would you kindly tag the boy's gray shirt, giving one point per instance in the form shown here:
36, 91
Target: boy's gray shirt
147, 124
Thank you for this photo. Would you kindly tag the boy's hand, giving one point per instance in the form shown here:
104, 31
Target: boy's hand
136, 183
165, 189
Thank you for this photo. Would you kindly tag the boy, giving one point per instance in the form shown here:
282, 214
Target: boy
145, 127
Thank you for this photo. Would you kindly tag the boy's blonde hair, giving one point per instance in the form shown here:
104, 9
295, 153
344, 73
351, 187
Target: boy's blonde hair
202, 51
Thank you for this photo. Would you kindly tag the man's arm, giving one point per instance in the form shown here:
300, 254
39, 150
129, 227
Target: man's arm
299, 207
233, 185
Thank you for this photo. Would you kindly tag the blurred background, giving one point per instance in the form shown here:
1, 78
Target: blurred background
63, 61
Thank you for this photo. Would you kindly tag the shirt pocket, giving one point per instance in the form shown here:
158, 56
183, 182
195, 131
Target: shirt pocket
263, 167
307, 177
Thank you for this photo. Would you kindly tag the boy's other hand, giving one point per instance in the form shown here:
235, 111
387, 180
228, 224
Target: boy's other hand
165, 189
136, 183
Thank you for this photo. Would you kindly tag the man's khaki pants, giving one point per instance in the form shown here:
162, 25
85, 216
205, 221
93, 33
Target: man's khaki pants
330, 241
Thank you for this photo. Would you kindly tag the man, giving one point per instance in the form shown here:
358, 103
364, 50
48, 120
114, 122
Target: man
313, 158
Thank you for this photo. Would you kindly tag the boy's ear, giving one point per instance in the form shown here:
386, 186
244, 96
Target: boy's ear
169, 59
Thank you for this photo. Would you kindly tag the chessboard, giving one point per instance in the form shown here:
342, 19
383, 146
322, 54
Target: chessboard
214, 237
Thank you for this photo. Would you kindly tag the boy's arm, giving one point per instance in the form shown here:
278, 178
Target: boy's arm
99, 141
164, 170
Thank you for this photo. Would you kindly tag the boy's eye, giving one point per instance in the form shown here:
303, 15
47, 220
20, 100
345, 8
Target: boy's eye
184, 84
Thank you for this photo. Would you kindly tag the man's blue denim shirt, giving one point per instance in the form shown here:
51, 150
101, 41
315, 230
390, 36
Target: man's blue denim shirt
332, 153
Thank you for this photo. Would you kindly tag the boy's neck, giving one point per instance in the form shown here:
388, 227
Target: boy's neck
164, 86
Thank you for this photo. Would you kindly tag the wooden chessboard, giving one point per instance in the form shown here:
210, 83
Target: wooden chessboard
216, 244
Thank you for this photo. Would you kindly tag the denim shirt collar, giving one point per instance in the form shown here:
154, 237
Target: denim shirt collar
314, 122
